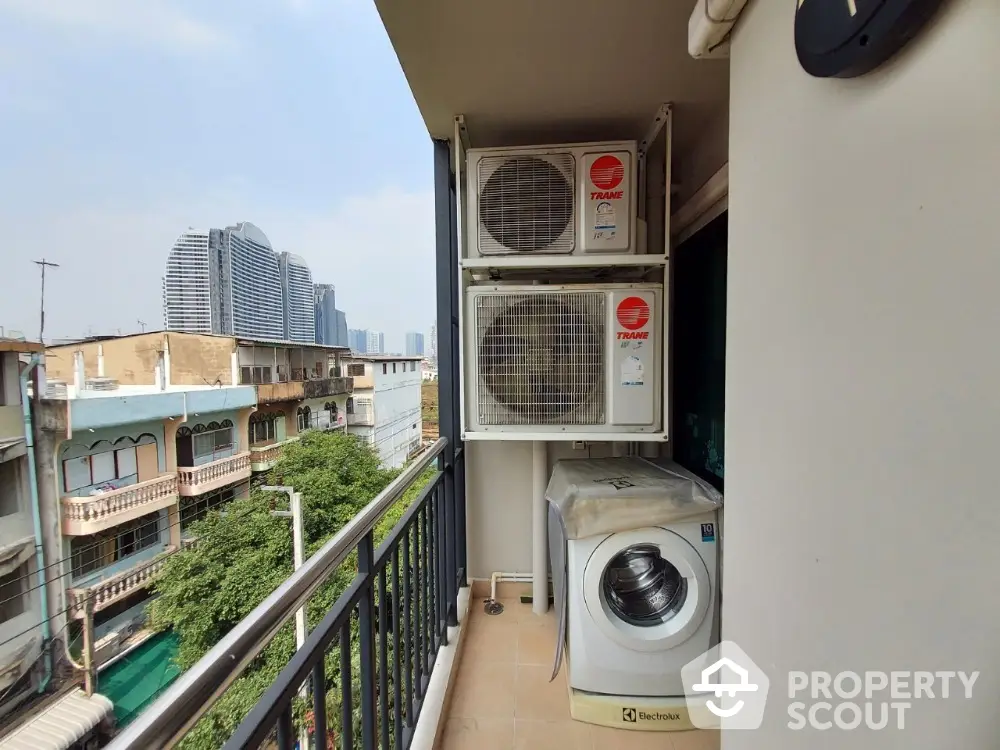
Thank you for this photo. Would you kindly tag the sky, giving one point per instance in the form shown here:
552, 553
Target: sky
122, 123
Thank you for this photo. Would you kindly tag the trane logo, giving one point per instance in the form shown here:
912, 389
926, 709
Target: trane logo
633, 335
606, 195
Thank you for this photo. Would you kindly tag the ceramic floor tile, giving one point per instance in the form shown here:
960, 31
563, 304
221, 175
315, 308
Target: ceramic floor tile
477, 734
551, 735
485, 691
606, 738
697, 740
489, 640
537, 698
536, 645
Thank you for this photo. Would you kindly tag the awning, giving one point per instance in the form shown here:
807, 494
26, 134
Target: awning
66, 721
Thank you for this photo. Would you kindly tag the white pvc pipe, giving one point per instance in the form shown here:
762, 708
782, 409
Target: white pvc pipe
539, 529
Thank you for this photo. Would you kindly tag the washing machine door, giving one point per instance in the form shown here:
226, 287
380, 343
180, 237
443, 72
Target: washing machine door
647, 590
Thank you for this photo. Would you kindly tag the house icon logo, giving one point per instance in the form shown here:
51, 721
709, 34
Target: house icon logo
725, 689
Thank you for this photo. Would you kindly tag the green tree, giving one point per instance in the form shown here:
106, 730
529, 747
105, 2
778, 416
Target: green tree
244, 553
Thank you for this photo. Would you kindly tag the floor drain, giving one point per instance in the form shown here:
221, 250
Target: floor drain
492, 607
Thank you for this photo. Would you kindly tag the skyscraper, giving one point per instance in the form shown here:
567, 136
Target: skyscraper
187, 288
331, 323
434, 344
414, 344
297, 299
376, 342
358, 340
230, 281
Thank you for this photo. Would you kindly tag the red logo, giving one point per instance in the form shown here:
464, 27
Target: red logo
633, 313
633, 335
607, 195
607, 172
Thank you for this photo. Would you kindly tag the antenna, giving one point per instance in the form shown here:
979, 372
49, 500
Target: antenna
142, 325
41, 327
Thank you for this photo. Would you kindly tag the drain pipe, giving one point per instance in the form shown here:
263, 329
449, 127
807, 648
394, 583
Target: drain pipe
539, 528
36, 517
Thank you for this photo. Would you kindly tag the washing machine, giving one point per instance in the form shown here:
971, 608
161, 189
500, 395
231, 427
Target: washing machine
642, 604
641, 575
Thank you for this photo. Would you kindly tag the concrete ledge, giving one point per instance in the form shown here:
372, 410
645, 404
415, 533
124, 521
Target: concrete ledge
432, 714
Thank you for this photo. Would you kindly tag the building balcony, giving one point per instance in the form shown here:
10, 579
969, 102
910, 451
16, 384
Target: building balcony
11, 423
265, 456
197, 480
93, 513
106, 592
296, 390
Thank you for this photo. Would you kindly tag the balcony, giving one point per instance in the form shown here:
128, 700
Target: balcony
263, 457
114, 588
414, 576
361, 419
11, 423
296, 390
93, 513
197, 480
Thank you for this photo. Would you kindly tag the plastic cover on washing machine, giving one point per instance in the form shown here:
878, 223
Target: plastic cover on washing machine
641, 587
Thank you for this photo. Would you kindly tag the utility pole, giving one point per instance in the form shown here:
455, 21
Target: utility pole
299, 556
41, 328
141, 325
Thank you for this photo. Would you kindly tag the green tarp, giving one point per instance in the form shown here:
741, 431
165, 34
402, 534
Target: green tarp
135, 680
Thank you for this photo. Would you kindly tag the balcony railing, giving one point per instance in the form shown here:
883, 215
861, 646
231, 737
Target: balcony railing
196, 480
403, 599
113, 589
93, 513
263, 457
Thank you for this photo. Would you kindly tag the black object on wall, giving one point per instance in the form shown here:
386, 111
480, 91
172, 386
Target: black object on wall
699, 351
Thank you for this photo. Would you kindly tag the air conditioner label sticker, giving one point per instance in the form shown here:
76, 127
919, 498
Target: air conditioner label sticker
632, 371
708, 532
605, 219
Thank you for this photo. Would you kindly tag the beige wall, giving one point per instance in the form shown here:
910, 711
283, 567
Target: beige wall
200, 360
861, 406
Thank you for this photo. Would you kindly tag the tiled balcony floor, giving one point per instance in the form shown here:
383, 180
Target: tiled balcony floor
501, 698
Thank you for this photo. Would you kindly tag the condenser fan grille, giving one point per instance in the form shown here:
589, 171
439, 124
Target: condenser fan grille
541, 358
526, 204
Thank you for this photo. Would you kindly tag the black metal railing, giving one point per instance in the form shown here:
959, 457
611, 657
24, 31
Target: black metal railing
396, 612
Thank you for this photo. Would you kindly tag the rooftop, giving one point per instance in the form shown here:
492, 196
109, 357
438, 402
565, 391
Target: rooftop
385, 357
21, 346
240, 341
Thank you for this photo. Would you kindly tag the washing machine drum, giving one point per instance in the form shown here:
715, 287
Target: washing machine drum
641, 587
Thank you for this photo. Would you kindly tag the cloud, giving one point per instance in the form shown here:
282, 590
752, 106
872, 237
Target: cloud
378, 249
147, 21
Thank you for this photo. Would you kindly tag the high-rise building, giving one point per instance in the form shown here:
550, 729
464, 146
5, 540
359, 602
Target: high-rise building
376, 342
298, 304
187, 287
434, 344
230, 281
414, 344
358, 340
331, 323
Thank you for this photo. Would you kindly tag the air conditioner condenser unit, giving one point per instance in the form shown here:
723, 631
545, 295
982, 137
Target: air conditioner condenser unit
553, 200
564, 359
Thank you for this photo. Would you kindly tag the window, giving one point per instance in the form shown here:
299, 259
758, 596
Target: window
393, 368
13, 588
100, 469
10, 488
96, 551
350, 405
303, 415
331, 409
356, 371
385, 368
263, 427
195, 508
205, 443
255, 375
413, 366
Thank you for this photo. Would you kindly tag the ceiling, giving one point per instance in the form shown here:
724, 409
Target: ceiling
544, 71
